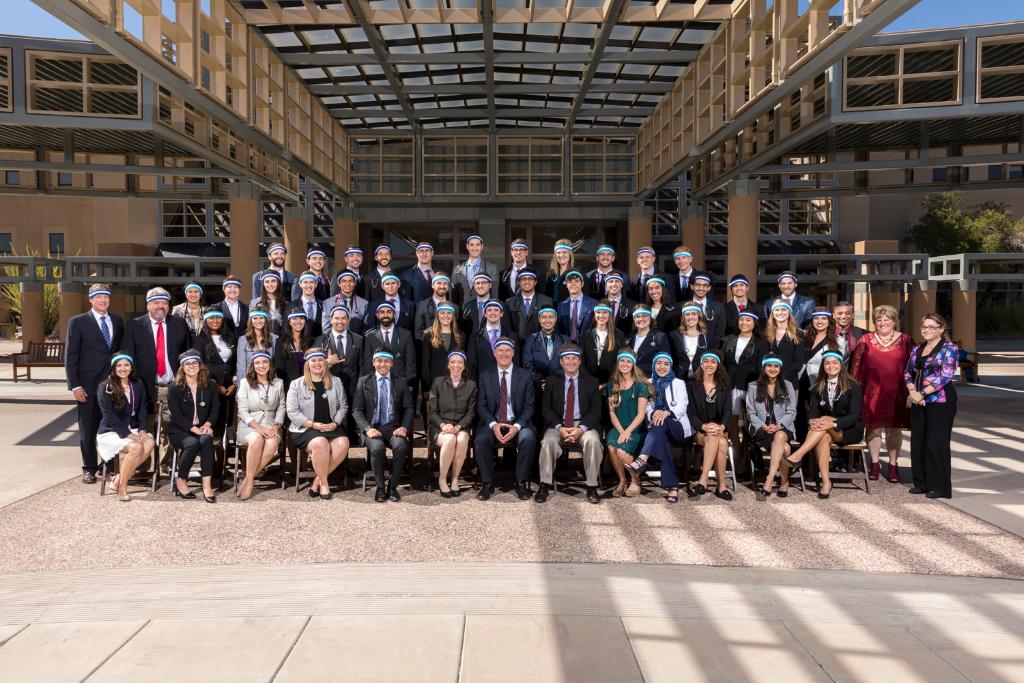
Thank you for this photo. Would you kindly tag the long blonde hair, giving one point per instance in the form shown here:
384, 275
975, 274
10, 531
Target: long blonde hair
434, 331
307, 379
772, 329
618, 383
554, 269
610, 343
702, 325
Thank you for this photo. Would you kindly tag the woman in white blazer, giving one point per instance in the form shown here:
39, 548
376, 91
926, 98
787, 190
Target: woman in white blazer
260, 418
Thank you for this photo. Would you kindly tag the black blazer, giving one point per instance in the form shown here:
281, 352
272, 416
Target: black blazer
138, 342
350, 368
700, 411
522, 393
732, 316
415, 285
130, 416
403, 348
434, 361
229, 323
470, 318
624, 316
423, 317
406, 313
371, 286
284, 362
602, 370
534, 355
86, 356
655, 343
715, 317
322, 291
179, 401
553, 407
668, 319
748, 368
679, 293
480, 357
222, 372
507, 288
364, 403
793, 356
686, 364
636, 288
524, 325
846, 410
594, 285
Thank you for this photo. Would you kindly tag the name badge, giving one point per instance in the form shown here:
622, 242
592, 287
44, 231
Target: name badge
202, 404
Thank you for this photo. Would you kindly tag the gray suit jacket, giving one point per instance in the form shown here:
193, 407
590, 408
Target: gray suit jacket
463, 288
301, 408
785, 414
251, 407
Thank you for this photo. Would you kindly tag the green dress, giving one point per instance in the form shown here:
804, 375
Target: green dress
626, 412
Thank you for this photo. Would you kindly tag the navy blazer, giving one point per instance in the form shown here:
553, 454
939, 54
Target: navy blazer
132, 414
86, 355
349, 369
415, 285
364, 403
803, 306
679, 293
590, 401
480, 356
406, 312
586, 316
535, 356
139, 343
229, 323
522, 393
506, 288
655, 343
525, 325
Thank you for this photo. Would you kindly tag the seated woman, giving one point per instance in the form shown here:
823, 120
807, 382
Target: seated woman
709, 410
628, 392
122, 400
257, 337
317, 409
216, 343
669, 425
260, 417
193, 402
451, 411
771, 409
834, 416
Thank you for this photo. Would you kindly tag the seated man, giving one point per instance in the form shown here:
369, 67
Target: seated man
383, 413
504, 410
572, 414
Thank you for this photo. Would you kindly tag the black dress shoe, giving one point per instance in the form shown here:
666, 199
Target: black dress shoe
935, 494
592, 496
917, 492
88, 477
393, 495
725, 495
542, 493
445, 494
312, 493
382, 495
208, 499
187, 496
698, 491
521, 491
486, 491
326, 495
456, 493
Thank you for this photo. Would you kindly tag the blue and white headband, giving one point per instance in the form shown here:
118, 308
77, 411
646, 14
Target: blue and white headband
386, 355
748, 313
190, 356
546, 310
821, 314
605, 249
440, 278
691, 308
425, 245
613, 276
603, 309
520, 245
505, 342
307, 276
344, 274
270, 275
385, 306
573, 273
212, 314
260, 354
314, 353
231, 281
482, 276
656, 280
120, 357
258, 313
315, 252
456, 354
194, 285
99, 292
771, 360
526, 273
710, 354
158, 297
791, 276
626, 354
569, 352
381, 247
391, 277
645, 250
739, 280
494, 303
339, 307
782, 304
832, 354
682, 253
662, 356
563, 247
641, 311
297, 314
474, 237
702, 278
446, 308
276, 247
353, 250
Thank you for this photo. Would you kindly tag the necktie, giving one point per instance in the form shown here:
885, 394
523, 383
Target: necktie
526, 306
684, 280
387, 339
741, 306
570, 404
494, 338
615, 309
383, 402
348, 303
503, 398
341, 346
574, 328
472, 268
480, 310
550, 346
430, 275
105, 331
161, 352
309, 310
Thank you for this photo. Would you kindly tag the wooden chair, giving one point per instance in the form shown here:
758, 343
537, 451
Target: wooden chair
48, 354
239, 450
973, 363
301, 473
850, 475
730, 465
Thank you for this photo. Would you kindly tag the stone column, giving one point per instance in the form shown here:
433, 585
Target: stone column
744, 215
346, 232
694, 231
965, 314
920, 301
32, 314
71, 304
638, 234
867, 295
244, 202
295, 231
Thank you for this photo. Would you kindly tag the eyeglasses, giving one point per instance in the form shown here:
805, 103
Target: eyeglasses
930, 327
190, 364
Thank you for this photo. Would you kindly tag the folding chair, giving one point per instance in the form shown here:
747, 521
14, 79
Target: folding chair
240, 450
301, 473
730, 465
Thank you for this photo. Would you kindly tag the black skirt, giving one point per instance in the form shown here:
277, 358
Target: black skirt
303, 438
764, 439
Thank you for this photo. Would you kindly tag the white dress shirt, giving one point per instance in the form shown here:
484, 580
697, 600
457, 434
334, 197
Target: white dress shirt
168, 376
233, 310
509, 412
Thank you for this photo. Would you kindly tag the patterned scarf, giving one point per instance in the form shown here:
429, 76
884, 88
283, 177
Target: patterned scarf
660, 384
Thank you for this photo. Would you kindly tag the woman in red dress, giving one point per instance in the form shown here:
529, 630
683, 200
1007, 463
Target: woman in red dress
876, 364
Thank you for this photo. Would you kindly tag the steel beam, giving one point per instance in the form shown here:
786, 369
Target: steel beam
500, 89
611, 20
303, 59
891, 164
487, 26
466, 113
73, 167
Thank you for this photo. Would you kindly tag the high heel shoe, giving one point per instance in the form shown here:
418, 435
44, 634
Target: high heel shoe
619, 490
893, 477
876, 470
637, 466
824, 496
206, 498
187, 496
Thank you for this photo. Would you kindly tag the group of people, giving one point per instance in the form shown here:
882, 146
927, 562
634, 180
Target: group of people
613, 365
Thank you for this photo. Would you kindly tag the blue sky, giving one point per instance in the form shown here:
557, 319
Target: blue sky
23, 17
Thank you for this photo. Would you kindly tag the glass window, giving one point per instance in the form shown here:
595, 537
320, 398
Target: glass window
56, 244
5, 243
12, 177
181, 219
64, 180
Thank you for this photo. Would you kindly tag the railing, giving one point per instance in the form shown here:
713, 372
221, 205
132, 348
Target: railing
148, 271
977, 268
845, 267
18, 269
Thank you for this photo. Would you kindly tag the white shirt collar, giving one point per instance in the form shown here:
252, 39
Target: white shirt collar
96, 314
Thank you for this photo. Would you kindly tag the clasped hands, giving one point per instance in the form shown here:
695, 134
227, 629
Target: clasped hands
504, 432
570, 434
820, 424
374, 433
205, 428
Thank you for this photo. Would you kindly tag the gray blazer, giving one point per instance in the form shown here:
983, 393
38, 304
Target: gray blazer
464, 288
243, 355
301, 407
785, 414
357, 311
251, 405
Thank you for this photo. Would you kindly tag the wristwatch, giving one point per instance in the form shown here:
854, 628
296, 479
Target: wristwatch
835, 425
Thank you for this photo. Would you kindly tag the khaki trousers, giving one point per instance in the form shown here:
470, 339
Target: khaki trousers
551, 449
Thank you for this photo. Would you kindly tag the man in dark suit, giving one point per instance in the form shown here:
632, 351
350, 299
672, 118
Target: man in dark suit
309, 304
622, 306
504, 410
382, 256
473, 310
276, 254
404, 308
843, 314
480, 345
596, 278
426, 308
522, 308
508, 279
346, 296
572, 416
92, 339
396, 341
680, 283
236, 313
802, 305
416, 280
354, 263
575, 314
316, 262
714, 311
382, 409
645, 259
155, 340
738, 287
540, 351
344, 350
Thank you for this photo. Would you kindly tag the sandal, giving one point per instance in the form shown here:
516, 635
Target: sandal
619, 490
638, 465
633, 491
673, 496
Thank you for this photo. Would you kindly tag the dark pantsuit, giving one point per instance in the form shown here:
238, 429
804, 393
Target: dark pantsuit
377, 450
931, 428
190, 445
526, 452
88, 425
658, 445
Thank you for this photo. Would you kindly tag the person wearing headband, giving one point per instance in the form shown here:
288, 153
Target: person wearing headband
344, 350
801, 305
383, 412
644, 340
316, 263
628, 392
391, 293
600, 344
739, 301
645, 261
290, 351
451, 411
236, 312
122, 426
786, 341
523, 306
771, 409
191, 309
596, 278
92, 339
155, 340
563, 262
679, 283
277, 253
835, 416
257, 336
622, 306
439, 340
664, 312
466, 272
269, 297
426, 307
842, 312
382, 257
713, 311
691, 340
395, 340
354, 262
571, 410
576, 311
709, 411
505, 409
473, 309
480, 344
261, 411
416, 280
308, 302
540, 350
216, 345
819, 336
193, 403
317, 408
742, 352
508, 279
346, 296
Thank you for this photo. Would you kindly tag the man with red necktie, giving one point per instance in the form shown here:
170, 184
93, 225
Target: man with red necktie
155, 340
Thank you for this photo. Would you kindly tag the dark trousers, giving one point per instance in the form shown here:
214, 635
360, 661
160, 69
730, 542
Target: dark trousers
190, 445
931, 428
88, 425
377, 450
658, 445
484, 452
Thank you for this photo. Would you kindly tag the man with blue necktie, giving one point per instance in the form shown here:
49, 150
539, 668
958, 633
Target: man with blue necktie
466, 272
383, 411
575, 314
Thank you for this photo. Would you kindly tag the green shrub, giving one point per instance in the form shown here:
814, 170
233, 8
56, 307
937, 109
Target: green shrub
1001, 320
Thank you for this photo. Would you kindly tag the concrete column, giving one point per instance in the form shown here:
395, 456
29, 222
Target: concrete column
346, 232
694, 231
295, 231
865, 295
744, 214
244, 202
72, 302
921, 300
32, 314
638, 233
965, 314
